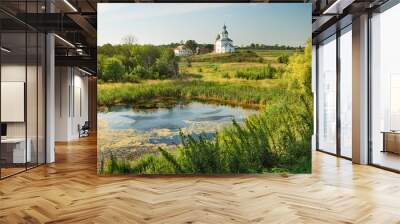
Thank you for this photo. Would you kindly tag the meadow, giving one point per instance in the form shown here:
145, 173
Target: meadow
277, 139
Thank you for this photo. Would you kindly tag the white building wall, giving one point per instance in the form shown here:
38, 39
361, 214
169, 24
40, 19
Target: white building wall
71, 102
220, 49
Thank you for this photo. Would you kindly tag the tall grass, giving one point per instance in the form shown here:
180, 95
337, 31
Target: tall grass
239, 56
235, 93
276, 140
267, 72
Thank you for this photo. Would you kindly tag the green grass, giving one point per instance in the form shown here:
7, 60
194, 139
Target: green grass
244, 64
277, 140
230, 93
240, 56
267, 72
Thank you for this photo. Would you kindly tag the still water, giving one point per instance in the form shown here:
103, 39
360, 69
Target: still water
162, 125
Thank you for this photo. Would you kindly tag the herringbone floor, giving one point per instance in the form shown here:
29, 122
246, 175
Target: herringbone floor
69, 191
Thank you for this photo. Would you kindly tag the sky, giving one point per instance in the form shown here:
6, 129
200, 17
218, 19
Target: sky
164, 23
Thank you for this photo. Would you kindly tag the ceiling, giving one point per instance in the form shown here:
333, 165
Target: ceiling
332, 15
73, 21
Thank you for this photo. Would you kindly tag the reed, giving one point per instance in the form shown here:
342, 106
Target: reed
229, 93
276, 140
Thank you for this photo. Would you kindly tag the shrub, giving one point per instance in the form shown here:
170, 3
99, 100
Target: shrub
277, 140
131, 77
145, 61
283, 59
113, 70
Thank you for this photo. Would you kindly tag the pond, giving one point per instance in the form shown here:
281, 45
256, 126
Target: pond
149, 128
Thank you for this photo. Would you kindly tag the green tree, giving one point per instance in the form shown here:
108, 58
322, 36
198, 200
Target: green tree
100, 65
284, 58
113, 70
298, 71
167, 64
192, 45
107, 50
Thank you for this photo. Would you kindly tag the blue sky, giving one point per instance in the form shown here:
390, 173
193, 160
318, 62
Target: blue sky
152, 23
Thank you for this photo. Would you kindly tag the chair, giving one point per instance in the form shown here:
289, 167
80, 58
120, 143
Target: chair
84, 130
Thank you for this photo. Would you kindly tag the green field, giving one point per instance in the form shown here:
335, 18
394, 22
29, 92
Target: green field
275, 140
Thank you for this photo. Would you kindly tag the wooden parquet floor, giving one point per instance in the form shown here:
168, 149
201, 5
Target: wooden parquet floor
69, 191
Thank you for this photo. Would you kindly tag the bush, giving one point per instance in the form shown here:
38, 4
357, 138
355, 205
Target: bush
131, 77
113, 70
277, 140
143, 61
283, 59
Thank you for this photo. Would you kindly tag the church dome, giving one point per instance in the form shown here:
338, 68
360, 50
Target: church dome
224, 30
223, 44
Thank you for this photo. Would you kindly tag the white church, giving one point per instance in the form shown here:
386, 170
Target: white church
223, 44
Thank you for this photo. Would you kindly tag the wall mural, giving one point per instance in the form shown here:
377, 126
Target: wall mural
204, 88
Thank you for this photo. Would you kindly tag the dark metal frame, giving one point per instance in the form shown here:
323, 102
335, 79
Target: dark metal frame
338, 74
369, 90
337, 34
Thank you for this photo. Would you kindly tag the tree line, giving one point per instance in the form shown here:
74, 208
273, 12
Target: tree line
272, 47
132, 62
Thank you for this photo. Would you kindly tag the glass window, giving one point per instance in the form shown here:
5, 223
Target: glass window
346, 92
14, 153
385, 89
327, 95
22, 88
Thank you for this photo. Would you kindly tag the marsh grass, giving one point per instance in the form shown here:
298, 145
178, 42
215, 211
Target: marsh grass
276, 140
229, 93
267, 72
239, 56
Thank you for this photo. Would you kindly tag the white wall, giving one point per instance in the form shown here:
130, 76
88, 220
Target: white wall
71, 87
314, 91
62, 83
